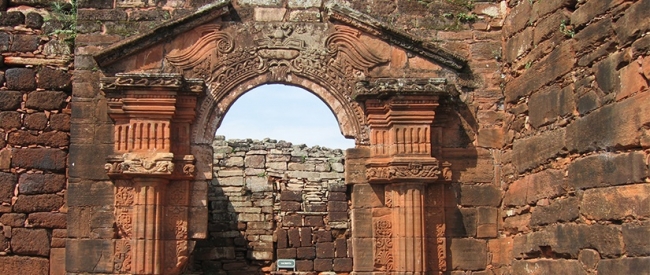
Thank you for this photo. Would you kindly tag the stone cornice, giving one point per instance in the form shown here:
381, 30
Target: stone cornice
152, 81
418, 46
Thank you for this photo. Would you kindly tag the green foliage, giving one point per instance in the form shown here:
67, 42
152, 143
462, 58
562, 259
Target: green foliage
466, 17
528, 65
66, 15
567, 29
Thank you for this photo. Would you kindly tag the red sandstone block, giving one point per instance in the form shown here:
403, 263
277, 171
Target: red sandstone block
517, 19
341, 248
13, 219
53, 79
325, 250
282, 238
287, 195
323, 264
7, 183
38, 203
531, 188
286, 253
47, 220
26, 265
10, 120
531, 152
290, 206
307, 253
337, 206
30, 184
30, 242
36, 121
474, 254
45, 100
342, 265
39, 158
616, 203
322, 236
314, 221
294, 237
338, 216
60, 122
336, 196
22, 79
292, 220
10, 100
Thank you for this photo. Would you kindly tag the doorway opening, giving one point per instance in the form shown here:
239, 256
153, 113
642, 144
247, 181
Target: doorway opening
273, 199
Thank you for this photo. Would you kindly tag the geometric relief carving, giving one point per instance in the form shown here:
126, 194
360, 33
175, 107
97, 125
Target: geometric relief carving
384, 260
124, 222
124, 199
177, 193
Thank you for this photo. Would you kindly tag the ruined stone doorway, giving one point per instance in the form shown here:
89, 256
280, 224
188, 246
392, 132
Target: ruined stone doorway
271, 199
164, 110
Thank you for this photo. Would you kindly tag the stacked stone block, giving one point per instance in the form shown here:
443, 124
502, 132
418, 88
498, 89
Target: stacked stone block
273, 200
35, 89
576, 167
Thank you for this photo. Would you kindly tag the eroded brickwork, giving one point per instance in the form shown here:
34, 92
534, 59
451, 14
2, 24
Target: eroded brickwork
35, 90
273, 200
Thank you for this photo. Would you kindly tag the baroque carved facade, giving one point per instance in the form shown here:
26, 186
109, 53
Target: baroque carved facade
165, 114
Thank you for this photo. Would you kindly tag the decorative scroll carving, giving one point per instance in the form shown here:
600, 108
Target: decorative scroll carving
441, 247
123, 256
130, 163
345, 46
367, 24
173, 81
384, 260
157, 165
446, 171
203, 56
406, 171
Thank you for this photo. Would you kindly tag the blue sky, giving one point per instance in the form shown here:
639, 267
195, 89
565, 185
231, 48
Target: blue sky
284, 113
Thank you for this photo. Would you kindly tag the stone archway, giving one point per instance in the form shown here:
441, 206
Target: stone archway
166, 116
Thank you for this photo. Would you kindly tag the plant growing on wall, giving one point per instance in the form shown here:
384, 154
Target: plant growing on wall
65, 15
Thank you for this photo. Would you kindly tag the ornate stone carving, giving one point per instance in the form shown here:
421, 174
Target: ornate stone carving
203, 57
157, 164
369, 25
384, 260
387, 86
123, 81
123, 194
411, 170
124, 222
123, 258
346, 49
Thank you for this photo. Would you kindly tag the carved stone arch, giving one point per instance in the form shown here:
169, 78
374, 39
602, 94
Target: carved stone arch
332, 68
212, 110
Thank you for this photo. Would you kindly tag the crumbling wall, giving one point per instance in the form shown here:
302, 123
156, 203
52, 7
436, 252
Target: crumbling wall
273, 200
575, 168
35, 90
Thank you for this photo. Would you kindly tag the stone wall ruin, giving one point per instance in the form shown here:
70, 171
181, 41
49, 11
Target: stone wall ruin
273, 200
545, 131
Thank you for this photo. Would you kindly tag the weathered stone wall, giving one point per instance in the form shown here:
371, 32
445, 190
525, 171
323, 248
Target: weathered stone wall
575, 167
35, 89
273, 200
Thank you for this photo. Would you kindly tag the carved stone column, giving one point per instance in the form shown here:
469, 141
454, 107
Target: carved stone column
400, 115
152, 114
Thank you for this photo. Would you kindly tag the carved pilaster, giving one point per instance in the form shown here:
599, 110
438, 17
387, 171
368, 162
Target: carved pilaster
153, 114
400, 113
